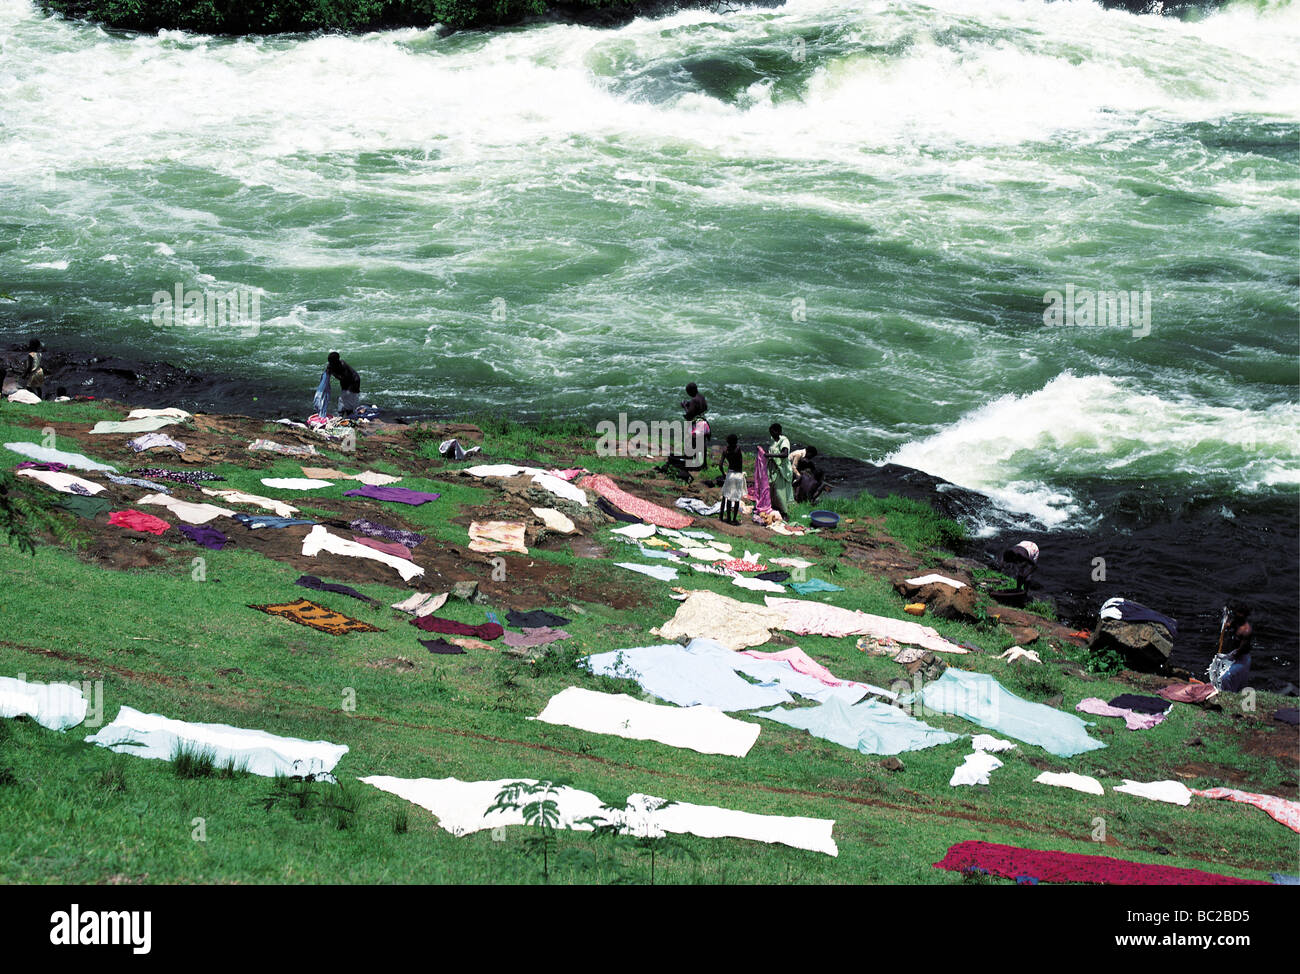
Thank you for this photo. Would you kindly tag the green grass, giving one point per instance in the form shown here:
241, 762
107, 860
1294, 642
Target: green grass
165, 643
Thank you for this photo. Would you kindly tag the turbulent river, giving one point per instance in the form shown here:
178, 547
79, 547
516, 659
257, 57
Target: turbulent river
892, 226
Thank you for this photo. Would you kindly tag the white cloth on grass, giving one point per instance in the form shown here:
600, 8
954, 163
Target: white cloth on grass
56, 706
296, 483
255, 751
975, 770
941, 579
704, 729
547, 481
792, 562
987, 742
279, 508
25, 397
757, 584
638, 531
170, 413
375, 479
187, 512
462, 808
45, 454
1079, 782
1173, 792
318, 540
147, 425
664, 573
554, 520
421, 603
65, 482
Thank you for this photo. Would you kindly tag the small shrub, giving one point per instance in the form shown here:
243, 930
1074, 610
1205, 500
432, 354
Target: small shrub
193, 762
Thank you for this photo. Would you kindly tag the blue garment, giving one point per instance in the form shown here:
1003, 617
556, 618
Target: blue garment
252, 521
814, 585
1282, 879
655, 553
322, 399
706, 673
1238, 673
979, 698
137, 482
870, 727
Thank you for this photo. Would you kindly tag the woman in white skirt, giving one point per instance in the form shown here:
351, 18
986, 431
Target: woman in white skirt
733, 488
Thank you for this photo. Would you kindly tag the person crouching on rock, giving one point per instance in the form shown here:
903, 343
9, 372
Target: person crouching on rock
349, 384
1238, 637
33, 372
1020, 561
733, 488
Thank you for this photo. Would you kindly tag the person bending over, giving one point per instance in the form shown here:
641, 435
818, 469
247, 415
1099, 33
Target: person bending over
1236, 645
349, 384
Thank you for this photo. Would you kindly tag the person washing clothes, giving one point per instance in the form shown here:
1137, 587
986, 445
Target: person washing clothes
809, 482
1020, 561
1238, 637
33, 377
779, 473
733, 488
349, 384
694, 407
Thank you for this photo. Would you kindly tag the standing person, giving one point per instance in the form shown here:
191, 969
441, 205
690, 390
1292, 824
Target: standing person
33, 372
733, 488
779, 472
1236, 645
694, 407
349, 384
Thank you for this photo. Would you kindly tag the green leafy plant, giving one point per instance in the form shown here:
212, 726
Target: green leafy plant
536, 802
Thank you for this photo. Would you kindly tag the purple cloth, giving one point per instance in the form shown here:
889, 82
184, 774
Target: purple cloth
399, 495
204, 535
33, 465
534, 637
441, 647
374, 530
312, 582
191, 477
760, 490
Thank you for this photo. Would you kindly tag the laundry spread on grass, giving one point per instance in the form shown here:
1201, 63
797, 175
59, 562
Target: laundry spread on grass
813, 585
87, 507
255, 521
461, 808
538, 636
704, 729
138, 521
295, 483
316, 584
664, 573
1133, 719
208, 537
979, 698
547, 481
535, 619
1009, 862
804, 617
441, 647
646, 511
279, 508
974, 769
307, 613
1171, 792
869, 727
319, 540
1068, 779
1188, 692
64, 483
757, 584
388, 547
490, 537
157, 488
186, 511
399, 535
1280, 809
734, 624
45, 454
421, 603
170, 412
145, 425
254, 751
553, 520
284, 449
155, 441
191, 477
933, 579
450, 627
395, 495
55, 706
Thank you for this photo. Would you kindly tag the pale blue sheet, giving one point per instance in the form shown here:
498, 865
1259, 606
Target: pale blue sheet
871, 727
978, 697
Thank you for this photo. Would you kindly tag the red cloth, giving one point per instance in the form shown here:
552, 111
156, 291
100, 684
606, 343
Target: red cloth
1068, 867
387, 547
1283, 810
137, 521
488, 630
1187, 692
650, 513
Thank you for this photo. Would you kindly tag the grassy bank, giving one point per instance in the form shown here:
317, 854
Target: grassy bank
164, 638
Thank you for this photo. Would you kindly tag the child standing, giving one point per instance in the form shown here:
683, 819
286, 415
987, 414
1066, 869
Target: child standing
733, 488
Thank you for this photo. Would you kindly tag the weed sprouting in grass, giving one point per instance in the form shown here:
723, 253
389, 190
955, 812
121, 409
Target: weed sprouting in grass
401, 821
192, 762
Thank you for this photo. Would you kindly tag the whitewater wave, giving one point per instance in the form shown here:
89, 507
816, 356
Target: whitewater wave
1093, 428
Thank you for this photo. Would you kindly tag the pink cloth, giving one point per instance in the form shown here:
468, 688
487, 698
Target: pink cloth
803, 663
1187, 692
651, 513
138, 521
805, 617
760, 491
1133, 720
740, 565
1284, 811
567, 474
388, 547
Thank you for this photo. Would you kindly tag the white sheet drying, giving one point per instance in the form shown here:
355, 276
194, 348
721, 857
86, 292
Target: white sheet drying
1173, 792
975, 770
57, 706
1079, 782
186, 511
63, 482
45, 454
547, 481
295, 483
318, 540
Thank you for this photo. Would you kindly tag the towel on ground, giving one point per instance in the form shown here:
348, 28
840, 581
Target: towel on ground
1173, 792
421, 603
450, 627
307, 613
804, 617
145, 425
388, 547
1068, 779
441, 647
554, 520
45, 454
295, 483
375, 530
493, 536
535, 619
210, 538
540, 636
138, 521
396, 495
